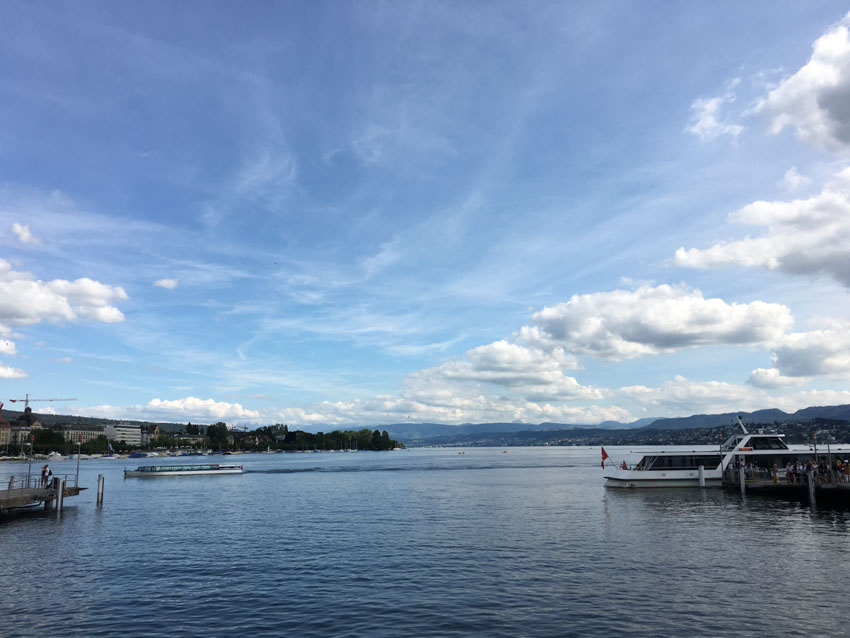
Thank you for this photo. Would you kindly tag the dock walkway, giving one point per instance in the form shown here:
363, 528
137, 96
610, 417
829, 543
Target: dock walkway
30, 493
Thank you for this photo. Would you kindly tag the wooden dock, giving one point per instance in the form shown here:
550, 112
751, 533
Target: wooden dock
28, 496
826, 493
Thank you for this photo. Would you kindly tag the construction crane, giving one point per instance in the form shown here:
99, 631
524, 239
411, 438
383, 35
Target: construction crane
27, 400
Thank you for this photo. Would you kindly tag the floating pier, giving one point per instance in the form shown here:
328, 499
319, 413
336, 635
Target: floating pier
826, 490
28, 493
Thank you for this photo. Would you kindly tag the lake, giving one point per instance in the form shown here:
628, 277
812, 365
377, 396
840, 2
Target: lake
422, 542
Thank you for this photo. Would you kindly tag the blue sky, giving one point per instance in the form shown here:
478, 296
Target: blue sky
373, 212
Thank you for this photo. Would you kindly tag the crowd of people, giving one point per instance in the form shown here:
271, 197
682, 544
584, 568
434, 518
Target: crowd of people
797, 472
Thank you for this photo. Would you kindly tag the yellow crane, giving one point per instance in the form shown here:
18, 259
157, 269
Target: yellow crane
27, 400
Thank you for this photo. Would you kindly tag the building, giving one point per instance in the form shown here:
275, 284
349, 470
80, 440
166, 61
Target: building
78, 433
5, 434
148, 434
130, 434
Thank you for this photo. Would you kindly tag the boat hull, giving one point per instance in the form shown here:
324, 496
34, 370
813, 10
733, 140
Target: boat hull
670, 478
176, 470
651, 482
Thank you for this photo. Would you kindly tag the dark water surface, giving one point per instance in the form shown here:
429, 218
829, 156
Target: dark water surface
419, 543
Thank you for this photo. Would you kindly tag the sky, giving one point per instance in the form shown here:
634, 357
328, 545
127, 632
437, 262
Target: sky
337, 214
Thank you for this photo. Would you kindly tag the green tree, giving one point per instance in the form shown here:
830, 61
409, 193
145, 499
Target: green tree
217, 434
97, 445
47, 440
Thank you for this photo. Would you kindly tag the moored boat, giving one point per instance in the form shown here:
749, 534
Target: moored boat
149, 471
758, 452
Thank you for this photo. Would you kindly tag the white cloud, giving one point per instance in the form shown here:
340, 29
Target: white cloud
202, 408
623, 324
11, 373
803, 237
445, 408
770, 378
682, 396
64, 360
7, 347
825, 351
186, 409
24, 234
815, 101
708, 121
169, 284
793, 180
534, 373
27, 301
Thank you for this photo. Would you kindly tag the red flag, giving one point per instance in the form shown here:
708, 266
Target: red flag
604, 456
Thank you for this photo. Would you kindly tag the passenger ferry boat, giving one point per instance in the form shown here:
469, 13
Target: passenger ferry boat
150, 471
677, 468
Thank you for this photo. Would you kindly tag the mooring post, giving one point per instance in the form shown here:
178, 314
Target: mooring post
12, 481
60, 493
100, 490
811, 475
701, 476
741, 478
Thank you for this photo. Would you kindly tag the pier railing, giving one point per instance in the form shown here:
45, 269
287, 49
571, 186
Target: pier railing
762, 475
32, 481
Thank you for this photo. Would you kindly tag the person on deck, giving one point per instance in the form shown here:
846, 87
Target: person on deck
46, 476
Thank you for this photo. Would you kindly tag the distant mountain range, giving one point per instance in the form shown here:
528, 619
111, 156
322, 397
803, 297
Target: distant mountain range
422, 432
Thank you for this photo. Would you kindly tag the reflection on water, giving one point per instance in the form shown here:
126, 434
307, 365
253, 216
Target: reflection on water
419, 542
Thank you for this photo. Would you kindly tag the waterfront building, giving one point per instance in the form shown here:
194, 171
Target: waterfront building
20, 434
130, 434
75, 432
5, 434
148, 434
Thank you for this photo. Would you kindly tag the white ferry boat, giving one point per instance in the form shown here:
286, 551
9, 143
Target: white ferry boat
758, 451
150, 471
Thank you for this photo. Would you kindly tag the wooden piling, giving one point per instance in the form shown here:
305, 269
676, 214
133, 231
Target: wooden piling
60, 493
100, 490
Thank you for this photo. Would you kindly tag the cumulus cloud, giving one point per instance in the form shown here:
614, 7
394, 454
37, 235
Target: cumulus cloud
27, 301
815, 101
24, 234
684, 396
445, 408
186, 409
535, 373
803, 236
7, 347
169, 284
11, 373
650, 320
708, 120
771, 378
824, 351
793, 180
202, 408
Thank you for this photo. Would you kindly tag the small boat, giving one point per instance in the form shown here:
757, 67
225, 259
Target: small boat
138, 455
183, 470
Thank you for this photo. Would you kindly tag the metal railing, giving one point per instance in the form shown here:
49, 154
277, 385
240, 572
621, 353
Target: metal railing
830, 476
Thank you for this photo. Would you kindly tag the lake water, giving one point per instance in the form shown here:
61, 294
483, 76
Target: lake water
423, 542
